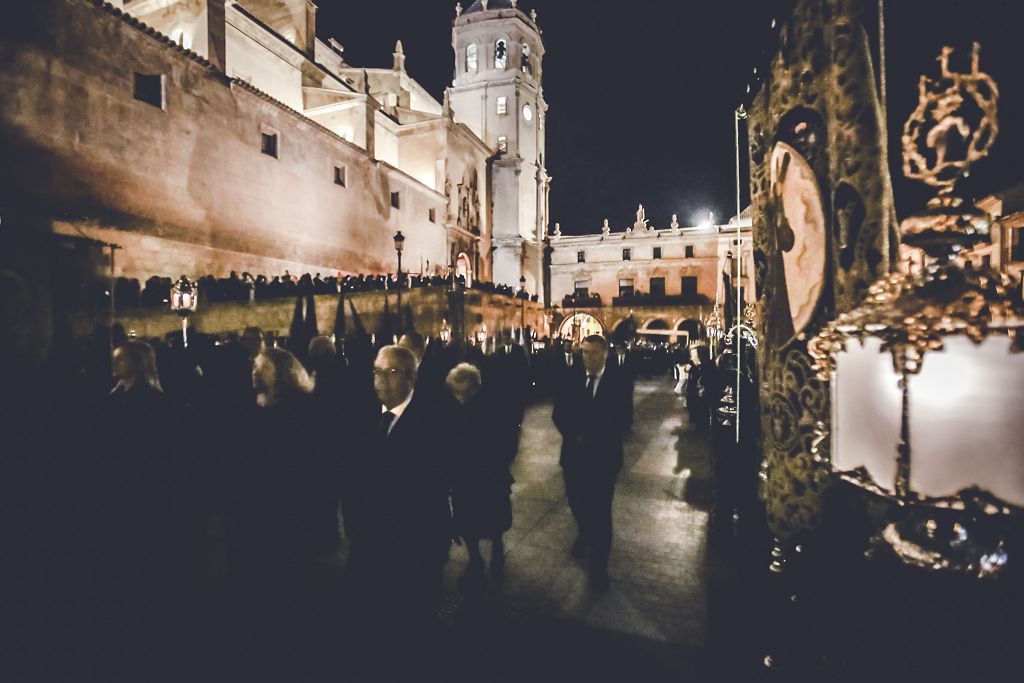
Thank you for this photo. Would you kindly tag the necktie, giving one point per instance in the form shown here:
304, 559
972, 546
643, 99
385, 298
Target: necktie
386, 421
590, 385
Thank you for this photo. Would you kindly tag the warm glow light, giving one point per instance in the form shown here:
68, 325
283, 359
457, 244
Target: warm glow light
963, 416
866, 405
965, 420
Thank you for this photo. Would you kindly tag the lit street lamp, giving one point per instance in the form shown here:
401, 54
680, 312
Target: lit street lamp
399, 246
184, 300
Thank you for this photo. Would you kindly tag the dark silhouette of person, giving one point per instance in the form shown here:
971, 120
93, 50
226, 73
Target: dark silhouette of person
481, 481
591, 413
620, 357
138, 516
280, 506
401, 526
700, 388
506, 375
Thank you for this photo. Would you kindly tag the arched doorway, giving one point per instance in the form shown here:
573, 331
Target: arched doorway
688, 331
625, 330
580, 325
656, 331
464, 268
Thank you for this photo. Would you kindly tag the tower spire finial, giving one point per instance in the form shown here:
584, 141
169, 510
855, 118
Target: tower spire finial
458, 10
399, 55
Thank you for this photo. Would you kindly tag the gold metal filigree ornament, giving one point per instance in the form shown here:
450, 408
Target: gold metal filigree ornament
750, 314
912, 312
914, 315
953, 127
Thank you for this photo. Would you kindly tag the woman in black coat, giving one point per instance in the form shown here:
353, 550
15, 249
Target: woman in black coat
481, 481
283, 480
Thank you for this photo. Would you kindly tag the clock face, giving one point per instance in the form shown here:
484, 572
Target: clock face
527, 112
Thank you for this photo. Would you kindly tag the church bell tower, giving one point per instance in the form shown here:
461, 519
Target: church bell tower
497, 93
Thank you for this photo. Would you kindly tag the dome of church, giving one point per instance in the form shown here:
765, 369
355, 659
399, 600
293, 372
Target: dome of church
493, 4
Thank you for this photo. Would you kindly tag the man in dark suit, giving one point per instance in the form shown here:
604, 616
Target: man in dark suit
592, 412
566, 362
506, 375
620, 357
401, 525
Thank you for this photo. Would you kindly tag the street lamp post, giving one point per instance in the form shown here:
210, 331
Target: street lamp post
399, 246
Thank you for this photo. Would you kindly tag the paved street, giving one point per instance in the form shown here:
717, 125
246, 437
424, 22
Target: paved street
655, 614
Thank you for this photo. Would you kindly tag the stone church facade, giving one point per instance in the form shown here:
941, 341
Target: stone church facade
203, 136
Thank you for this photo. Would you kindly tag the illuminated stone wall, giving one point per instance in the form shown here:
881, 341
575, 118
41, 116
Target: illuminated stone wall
184, 187
426, 307
824, 228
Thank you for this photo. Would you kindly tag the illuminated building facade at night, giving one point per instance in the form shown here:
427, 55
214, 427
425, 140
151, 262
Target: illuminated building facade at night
203, 136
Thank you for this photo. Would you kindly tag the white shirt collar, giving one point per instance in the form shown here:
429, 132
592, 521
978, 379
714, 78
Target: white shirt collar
397, 411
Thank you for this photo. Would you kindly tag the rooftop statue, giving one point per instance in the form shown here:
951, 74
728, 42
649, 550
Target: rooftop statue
641, 218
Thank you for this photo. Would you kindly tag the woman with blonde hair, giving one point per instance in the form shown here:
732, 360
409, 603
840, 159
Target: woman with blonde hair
132, 363
278, 376
283, 511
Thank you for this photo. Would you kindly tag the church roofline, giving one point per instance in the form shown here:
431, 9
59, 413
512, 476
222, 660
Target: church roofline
245, 85
476, 14
633, 236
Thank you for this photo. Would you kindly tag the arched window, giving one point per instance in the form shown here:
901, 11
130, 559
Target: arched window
501, 54
471, 63
526, 66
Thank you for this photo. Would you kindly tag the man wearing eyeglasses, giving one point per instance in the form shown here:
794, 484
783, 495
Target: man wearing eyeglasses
402, 525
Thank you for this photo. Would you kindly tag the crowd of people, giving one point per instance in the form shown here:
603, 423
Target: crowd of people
217, 488
715, 397
156, 290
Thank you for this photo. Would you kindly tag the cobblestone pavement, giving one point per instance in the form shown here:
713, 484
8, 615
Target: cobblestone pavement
656, 610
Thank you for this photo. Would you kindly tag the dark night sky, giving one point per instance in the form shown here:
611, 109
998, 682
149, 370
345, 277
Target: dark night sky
641, 93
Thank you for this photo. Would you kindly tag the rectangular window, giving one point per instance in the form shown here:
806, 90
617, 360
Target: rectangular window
581, 257
627, 254
268, 144
341, 175
582, 288
689, 286
689, 251
502, 144
502, 105
1016, 244
657, 286
396, 201
657, 252
149, 88
432, 215
625, 288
